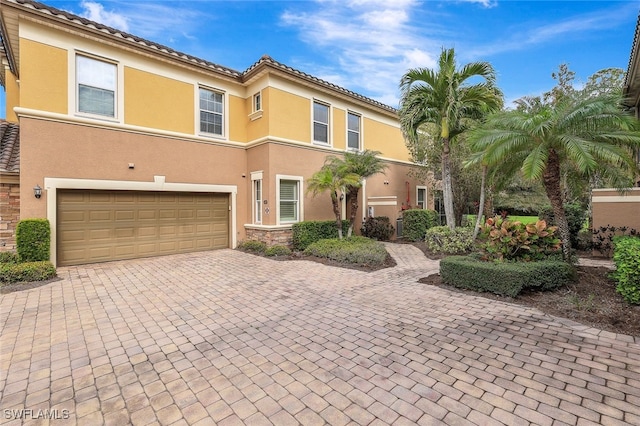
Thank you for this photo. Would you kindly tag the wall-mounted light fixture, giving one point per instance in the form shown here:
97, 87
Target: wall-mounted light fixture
386, 182
341, 197
37, 191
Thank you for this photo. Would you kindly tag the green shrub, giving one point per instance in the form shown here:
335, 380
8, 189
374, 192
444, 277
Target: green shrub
305, 233
9, 257
356, 250
277, 250
253, 246
377, 228
506, 278
415, 223
507, 240
33, 240
626, 256
576, 217
442, 239
26, 271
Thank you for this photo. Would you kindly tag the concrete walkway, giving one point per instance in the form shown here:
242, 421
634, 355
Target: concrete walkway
228, 338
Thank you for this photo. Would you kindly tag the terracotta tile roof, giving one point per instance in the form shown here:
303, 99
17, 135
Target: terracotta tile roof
9, 147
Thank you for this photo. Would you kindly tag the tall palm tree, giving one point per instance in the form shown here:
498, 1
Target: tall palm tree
582, 133
333, 177
445, 98
363, 164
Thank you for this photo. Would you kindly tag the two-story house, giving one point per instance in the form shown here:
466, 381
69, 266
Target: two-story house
141, 150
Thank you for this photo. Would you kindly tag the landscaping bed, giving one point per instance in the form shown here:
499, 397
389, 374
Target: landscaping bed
592, 300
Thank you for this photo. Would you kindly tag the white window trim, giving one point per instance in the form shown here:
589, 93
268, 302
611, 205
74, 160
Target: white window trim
426, 196
329, 141
300, 180
225, 112
256, 176
74, 102
360, 138
256, 113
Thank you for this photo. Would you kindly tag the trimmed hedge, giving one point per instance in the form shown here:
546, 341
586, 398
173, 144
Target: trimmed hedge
33, 239
307, 232
9, 257
442, 239
505, 278
26, 271
626, 256
277, 250
415, 223
357, 250
377, 228
253, 246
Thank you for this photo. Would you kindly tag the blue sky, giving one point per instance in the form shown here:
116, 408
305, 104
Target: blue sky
366, 45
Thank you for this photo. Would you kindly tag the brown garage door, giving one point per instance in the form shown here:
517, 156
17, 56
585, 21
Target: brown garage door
98, 226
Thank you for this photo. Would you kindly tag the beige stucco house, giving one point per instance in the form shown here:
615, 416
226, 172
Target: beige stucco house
142, 150
611, 207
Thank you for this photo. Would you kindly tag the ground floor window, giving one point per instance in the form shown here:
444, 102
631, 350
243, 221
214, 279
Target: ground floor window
421, 197
289, 199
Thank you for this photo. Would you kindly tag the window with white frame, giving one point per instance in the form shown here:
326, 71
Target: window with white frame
211, 112
257, 102
96, 86
289, 202
353, 131
320, 122
257, 200
421, 197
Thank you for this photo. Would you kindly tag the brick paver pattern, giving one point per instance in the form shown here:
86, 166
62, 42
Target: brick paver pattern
227, 338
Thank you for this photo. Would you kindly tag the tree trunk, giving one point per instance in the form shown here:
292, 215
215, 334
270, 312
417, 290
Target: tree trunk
551, 178
336, 212
447, 187
352, 197
481, 204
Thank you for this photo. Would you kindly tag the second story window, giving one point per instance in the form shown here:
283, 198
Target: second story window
257, 102
211, 112
96, 86
320, 122
353, 131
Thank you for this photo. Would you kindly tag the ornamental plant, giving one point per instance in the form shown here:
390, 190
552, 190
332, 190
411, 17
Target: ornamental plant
504, 240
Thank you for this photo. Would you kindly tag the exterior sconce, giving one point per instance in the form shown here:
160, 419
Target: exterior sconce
37, 191
386, 182
341, 197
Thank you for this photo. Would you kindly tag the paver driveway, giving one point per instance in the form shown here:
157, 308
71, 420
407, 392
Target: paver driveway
228, 338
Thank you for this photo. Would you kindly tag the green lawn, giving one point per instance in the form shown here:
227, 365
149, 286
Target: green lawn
524, 219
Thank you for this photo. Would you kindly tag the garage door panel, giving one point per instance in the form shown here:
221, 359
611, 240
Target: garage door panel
96, 226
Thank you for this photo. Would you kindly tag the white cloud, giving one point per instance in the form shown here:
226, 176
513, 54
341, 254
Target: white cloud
372, 43
96, 12
150, 20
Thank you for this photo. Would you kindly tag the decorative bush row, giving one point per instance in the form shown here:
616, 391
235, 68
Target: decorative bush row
377, 228
33, 238
442, 239
415, 223
507, 240
357, 250
505, 278
26, 271
305, 233
253, 246
626, 256
277, 250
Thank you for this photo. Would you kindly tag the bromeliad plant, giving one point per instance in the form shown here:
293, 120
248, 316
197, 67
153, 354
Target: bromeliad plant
504, 240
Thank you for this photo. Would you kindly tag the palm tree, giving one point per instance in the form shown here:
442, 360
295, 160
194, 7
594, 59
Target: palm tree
581, 133
333, 177
445, 98
363, 164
